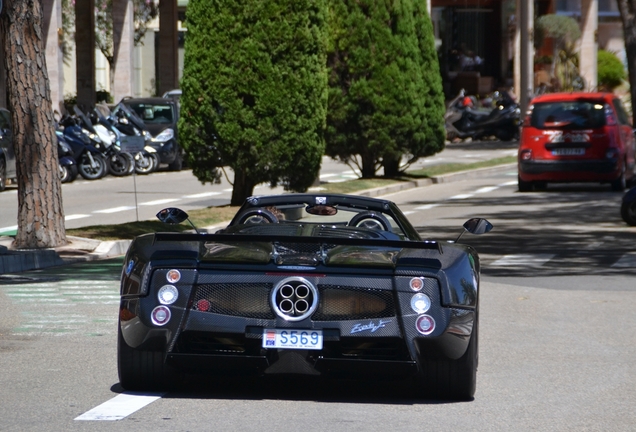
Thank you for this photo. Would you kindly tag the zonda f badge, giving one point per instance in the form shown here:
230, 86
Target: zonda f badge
371, 326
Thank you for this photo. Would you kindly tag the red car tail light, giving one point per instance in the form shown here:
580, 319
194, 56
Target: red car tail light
525, 154
610, 118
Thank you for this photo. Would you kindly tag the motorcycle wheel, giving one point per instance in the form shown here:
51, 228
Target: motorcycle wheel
118, 164
68, 173
145, 163
90, 171
505, 134
131, 162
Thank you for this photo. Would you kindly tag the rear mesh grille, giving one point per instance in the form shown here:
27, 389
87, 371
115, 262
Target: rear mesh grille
251, 300
351, 303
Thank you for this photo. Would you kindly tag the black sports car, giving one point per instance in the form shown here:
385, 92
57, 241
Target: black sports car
327, 285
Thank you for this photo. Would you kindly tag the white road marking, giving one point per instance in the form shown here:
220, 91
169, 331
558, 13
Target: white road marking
120, 406
426, 206
627, 260
510, 183
160, 202
115, 209
76, 216
461, 196
522, 260
9, 228
202, 195
327, 175
487, 189
406, 213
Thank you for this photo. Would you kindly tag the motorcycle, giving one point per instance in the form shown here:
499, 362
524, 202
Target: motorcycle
463, 119
67, 164
90, 162
118, 163
128, 124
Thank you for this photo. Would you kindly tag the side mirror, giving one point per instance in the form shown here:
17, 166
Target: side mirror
476, 226
174, 216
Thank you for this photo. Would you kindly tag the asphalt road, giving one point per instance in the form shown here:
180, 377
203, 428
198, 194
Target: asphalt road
114, 200
556, 342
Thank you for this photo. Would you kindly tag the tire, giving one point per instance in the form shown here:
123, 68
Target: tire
145, 163
628, 212
452, 379
524, 186
620, 183
177, 163
141, 370
89, 171
3, 174
68, 173
118, 164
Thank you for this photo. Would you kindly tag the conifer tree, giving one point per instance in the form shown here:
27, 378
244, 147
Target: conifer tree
385, 95
255, 92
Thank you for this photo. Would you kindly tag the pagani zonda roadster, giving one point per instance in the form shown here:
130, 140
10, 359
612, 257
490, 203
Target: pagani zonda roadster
328, 285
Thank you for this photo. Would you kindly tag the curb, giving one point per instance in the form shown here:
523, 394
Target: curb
82, 249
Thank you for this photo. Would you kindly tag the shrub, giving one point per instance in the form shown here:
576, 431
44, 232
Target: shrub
611, 72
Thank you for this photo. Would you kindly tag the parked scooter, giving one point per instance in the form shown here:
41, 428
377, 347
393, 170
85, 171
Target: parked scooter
118, 163
463, 119
67, 164
90, 162
129, 124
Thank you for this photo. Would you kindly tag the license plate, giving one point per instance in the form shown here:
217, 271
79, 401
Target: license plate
292, 339
568, 151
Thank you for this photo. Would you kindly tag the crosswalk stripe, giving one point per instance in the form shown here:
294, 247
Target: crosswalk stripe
526, 260
120, 406
627, 260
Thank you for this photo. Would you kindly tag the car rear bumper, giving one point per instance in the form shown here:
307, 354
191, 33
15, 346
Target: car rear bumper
569, 170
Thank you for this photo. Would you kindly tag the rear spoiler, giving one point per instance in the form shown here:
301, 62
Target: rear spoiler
225, 238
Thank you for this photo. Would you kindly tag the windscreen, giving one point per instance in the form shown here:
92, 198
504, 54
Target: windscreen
579, 114
153, 113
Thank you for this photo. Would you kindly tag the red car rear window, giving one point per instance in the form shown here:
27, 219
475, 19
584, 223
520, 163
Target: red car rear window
568, 115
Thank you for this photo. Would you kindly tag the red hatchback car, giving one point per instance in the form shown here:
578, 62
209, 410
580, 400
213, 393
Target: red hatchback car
576, 137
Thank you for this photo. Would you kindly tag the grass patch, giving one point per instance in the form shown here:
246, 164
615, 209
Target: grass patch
437, 170
211, 216
204, 217
354, 185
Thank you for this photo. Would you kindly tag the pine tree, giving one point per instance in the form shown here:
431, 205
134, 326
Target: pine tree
385, 93
255, 92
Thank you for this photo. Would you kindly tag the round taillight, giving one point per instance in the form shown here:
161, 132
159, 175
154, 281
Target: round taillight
168, 294
173, 276
416, 284
420, 303
203, 305
425, 324
160, 315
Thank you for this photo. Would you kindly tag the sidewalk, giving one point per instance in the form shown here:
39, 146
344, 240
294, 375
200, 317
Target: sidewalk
81, 249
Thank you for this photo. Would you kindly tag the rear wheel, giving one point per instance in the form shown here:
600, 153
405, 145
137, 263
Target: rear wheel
68, 173
144, 370
118, 164
177, 164
91, 167
524, 186
620, 183
453, 379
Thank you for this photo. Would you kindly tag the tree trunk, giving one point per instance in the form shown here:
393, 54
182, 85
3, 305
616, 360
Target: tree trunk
627, 9
40, 211
391, 167
242, 189
368, 165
